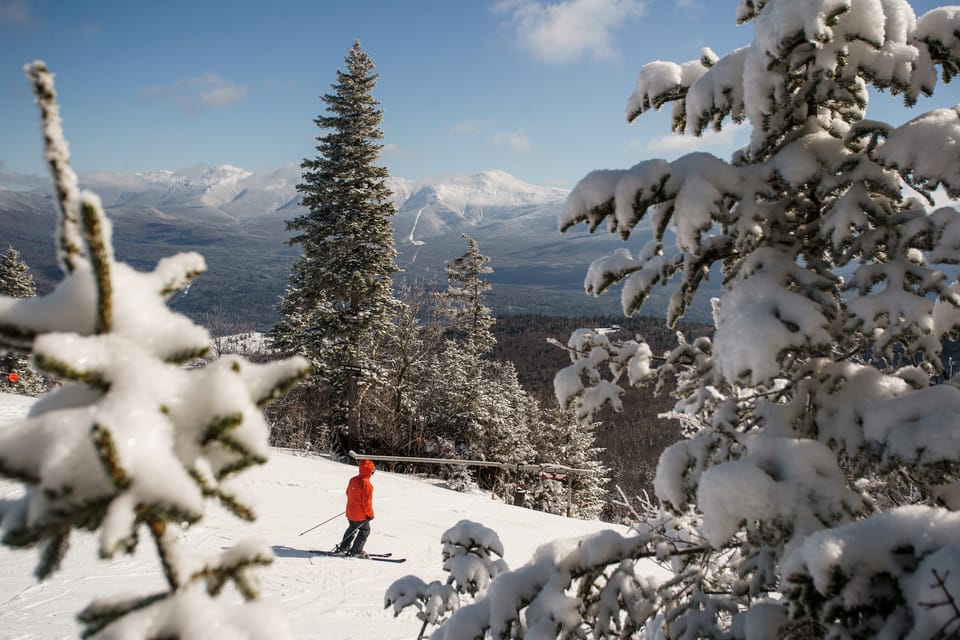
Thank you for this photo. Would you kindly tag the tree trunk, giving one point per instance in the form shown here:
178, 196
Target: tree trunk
353, 372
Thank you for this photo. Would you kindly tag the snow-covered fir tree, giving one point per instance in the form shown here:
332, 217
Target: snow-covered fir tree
473, 407
339, 295
559, 438
466, 354
407, 349
133, 442
17, 374
820, 395
474, 412
462, 305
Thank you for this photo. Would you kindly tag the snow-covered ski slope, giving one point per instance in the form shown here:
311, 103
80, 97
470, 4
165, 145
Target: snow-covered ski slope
329, 598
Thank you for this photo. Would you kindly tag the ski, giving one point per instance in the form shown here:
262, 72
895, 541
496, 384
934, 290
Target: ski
340, 553
383, 559
379, 557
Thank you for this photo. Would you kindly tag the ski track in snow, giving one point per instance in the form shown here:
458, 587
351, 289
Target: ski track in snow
329, 598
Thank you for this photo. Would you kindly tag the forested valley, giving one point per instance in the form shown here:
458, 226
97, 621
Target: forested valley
631, 440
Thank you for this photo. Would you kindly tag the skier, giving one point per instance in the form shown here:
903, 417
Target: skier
359, 511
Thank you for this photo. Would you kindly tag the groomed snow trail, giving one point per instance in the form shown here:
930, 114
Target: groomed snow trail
329, 598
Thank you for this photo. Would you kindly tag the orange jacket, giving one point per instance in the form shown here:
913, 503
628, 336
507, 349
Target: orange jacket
360, 493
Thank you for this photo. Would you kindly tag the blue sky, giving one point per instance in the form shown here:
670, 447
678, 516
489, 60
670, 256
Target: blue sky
533, 87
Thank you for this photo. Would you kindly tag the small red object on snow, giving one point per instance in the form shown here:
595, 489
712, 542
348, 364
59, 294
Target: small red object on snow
12, 376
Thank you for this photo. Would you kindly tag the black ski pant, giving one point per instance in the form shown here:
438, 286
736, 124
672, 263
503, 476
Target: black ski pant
355, 536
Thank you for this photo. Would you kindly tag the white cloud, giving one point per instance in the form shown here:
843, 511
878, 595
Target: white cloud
89, 29
15, 13
516, 140
693, 8
673, 144
569, 30
390, 150
464, 127
205, 91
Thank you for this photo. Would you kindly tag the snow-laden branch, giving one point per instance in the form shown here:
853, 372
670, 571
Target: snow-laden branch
132, 440
821, 400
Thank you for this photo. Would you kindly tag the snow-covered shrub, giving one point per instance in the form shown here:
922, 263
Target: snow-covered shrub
584, 587
133, 441
434, 601
458, 478
820, 399
472, 555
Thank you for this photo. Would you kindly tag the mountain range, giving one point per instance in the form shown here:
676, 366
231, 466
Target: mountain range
235, 218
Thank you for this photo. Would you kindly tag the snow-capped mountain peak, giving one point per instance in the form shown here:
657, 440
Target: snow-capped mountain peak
199, 177
491, 188
226, 194
214, 186
455, 204
236, 218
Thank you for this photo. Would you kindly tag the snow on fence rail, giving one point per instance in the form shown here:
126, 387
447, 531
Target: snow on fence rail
549, 471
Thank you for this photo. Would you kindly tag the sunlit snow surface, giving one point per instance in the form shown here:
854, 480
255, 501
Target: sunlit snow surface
328, 598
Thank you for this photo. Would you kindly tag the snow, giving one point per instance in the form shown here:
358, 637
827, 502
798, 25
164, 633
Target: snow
859, 551
248, 343
721, 86
780, 482
469, 195
918, 428
779, 471
490, 188
593, 191
57, 155
927, 146
440, 205
216, 186
330, 598
758, 320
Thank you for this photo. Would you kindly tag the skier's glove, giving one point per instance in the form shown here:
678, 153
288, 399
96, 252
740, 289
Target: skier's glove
370, 518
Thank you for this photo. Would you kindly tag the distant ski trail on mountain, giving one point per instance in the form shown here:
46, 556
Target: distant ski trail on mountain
414, 228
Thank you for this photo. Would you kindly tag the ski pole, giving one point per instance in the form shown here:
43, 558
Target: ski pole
322, 523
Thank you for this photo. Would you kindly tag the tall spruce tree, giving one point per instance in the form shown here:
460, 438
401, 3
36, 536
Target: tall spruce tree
17, 374
339, 295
